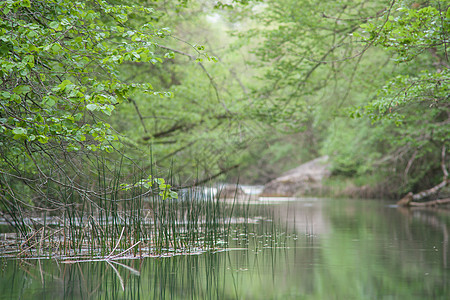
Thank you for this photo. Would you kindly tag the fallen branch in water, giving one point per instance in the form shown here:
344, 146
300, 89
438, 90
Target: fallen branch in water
411, 199
431, 203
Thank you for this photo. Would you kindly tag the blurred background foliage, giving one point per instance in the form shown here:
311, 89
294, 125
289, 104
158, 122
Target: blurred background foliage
230, 90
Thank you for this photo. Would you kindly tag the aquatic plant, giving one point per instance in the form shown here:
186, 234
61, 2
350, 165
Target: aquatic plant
145, 218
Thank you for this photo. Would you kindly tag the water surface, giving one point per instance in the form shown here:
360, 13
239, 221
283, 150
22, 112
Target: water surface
299, 249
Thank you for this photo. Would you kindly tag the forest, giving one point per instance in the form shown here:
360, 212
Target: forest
99, 97
130, 128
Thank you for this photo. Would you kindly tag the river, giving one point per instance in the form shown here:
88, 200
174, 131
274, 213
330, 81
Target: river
305, 248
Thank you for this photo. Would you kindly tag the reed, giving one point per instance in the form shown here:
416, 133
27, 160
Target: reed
137, 221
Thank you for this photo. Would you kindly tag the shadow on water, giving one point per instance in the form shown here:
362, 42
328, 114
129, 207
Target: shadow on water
302, 249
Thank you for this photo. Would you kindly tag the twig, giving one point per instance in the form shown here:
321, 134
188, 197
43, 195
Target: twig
36, 232
443, 166
117, 244
118, 275
133, 271
211, 79
115, 256
409, 164
139, 114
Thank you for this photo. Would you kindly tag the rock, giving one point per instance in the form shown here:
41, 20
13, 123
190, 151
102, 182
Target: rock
305, 179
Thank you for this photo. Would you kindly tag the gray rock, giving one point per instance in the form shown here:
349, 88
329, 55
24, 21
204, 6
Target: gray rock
304, 180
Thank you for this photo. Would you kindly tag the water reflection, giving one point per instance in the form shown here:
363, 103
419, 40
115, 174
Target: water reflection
309, 249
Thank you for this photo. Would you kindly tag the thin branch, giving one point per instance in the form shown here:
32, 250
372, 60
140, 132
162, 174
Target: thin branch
139, 114
443, 165
409, 164
209, 178
211, 79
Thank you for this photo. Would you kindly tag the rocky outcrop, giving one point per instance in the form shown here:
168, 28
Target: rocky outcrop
307, 179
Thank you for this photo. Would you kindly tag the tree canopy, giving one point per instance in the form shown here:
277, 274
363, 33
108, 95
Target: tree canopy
384, 63
208, 89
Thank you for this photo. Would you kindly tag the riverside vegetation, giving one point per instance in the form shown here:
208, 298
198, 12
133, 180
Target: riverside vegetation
110, 110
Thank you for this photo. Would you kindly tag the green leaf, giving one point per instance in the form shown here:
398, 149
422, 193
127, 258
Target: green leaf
63, 84
25, 3
56, 48
80, 137
49, 101
107, 109
19, 131
22, 89
39, 118
42, 139
6, 46
55, 25
92, 107
169, 55
5, 95
136, 55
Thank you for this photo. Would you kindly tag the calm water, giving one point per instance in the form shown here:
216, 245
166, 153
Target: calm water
302, 249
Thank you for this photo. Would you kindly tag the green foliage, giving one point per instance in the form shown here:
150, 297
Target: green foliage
60, 81
410, 110
409, 32
384, 64
60, 69
234, 4
149, 183
304, 78
208, 124
268, 84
